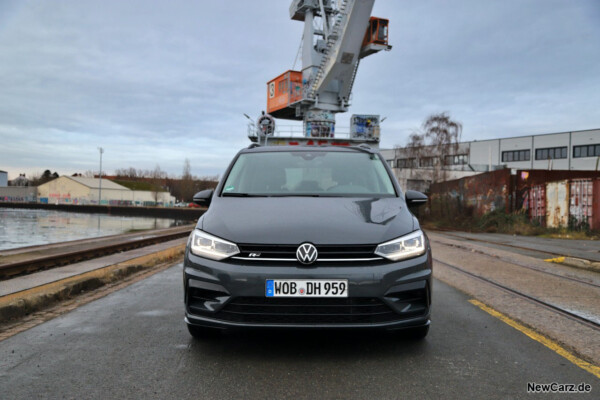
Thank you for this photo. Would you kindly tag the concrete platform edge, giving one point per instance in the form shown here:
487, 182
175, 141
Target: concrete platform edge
19, 304
579, 263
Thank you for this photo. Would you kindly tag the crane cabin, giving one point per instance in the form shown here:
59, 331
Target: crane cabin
376, 37
282, 92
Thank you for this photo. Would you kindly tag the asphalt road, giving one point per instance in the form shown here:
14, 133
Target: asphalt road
133, 344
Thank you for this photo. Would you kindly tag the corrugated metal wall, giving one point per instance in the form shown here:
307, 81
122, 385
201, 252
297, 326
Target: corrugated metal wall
473, 195
552, 198
557, 204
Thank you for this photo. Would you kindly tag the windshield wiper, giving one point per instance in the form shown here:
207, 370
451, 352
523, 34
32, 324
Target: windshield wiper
296, 195
243, 195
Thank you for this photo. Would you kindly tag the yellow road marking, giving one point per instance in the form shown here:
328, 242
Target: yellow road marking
555, 260
552, 345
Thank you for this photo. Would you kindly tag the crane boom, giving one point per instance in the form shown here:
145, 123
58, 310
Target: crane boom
331, 83
336, 37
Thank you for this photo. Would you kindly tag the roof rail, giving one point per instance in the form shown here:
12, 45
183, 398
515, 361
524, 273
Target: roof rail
365, 148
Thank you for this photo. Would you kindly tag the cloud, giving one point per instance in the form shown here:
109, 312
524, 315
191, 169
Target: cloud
502, 68
158, 82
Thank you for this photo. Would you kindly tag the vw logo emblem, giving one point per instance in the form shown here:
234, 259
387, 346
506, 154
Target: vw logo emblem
307, 253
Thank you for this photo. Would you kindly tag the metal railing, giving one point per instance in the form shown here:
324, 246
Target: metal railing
295, 131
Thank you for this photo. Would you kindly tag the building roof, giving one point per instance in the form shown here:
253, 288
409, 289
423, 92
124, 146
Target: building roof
94, 183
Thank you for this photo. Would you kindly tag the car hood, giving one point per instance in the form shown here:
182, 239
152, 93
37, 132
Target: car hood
294, 220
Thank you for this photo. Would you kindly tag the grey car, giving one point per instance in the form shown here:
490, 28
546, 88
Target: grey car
308, 237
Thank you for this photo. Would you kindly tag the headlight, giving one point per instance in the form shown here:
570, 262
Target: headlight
209, 246
408, 246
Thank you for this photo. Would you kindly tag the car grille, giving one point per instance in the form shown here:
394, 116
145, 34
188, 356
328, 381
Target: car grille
356, 310
327, 253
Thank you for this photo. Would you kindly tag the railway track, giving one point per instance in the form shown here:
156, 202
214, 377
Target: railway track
512, 262
568, 314
548, 254
33, 259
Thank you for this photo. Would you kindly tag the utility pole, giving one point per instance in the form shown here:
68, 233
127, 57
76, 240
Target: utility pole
100, 186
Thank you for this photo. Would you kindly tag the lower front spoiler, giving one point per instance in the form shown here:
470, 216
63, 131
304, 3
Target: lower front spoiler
416, 322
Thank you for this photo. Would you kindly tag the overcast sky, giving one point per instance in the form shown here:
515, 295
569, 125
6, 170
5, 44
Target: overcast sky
155, 82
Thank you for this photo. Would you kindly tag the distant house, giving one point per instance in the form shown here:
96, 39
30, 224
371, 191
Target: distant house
79, 190
19, 193
21, 181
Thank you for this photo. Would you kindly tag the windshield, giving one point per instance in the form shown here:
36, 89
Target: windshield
309, 173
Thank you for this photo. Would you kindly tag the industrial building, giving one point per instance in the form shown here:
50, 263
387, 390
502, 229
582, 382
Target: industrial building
18, 194
417, 168
553, 199
15, 193
79, 190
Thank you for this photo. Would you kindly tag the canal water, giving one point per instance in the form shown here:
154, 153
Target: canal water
20, 227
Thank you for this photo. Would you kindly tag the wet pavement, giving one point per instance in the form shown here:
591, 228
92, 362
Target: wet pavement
134, 344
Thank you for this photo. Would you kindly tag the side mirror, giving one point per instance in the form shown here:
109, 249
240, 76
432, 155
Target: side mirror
415, 199
203, 198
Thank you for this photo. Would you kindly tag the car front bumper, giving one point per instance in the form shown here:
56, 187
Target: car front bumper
384, 295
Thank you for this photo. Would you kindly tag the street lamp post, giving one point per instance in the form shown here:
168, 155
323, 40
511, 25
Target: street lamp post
100, 185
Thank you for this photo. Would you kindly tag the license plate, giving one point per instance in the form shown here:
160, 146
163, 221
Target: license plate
307, 288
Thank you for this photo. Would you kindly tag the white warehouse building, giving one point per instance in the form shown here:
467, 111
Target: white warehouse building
578, 150
78, 190
3, 178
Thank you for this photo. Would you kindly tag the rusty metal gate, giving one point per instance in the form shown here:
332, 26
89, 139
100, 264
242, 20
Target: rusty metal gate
581, 208
557, 204
537, 204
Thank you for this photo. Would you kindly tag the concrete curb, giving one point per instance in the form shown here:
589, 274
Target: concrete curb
37, 298
576, 262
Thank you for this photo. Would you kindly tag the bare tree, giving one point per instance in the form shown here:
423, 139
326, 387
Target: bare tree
129, 173
431, 146
442, 133
205, 182
182, 187
47, 176
157, 177
414, 150
187, 182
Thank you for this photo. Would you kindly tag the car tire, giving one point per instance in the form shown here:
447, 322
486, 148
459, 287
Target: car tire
201, 332
418, 333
